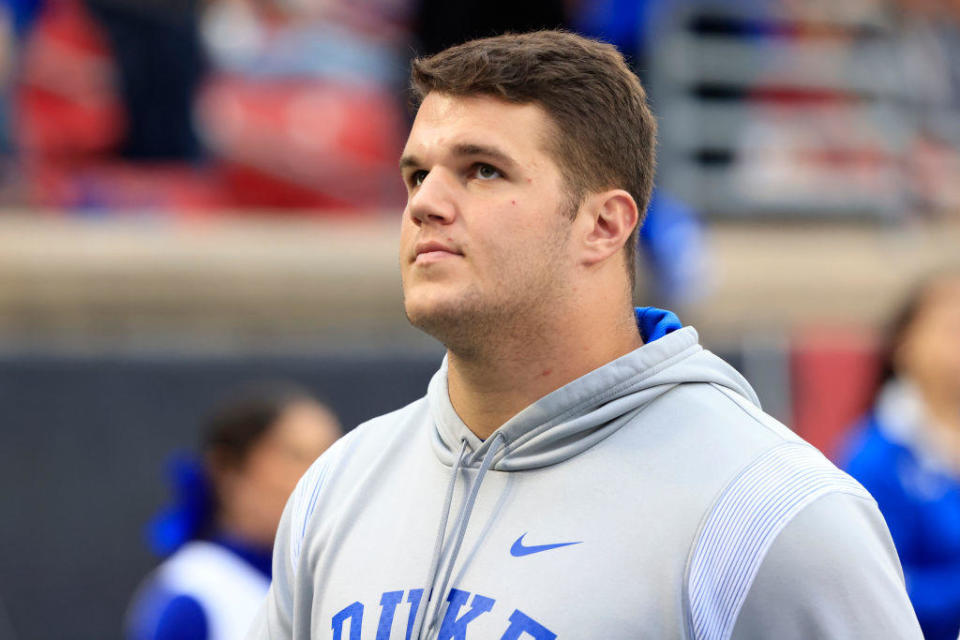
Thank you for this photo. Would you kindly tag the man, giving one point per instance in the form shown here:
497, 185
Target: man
578, 469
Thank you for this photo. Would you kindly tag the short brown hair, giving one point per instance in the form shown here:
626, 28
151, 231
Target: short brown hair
605, 133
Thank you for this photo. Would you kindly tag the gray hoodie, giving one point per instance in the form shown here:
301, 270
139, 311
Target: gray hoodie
650, 498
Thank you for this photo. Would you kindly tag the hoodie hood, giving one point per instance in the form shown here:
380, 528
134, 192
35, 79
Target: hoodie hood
575, 417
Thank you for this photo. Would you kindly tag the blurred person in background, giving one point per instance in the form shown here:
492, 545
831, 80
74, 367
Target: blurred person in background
221, 528
907, 450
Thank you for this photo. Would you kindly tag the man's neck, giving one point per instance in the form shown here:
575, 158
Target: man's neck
489, 387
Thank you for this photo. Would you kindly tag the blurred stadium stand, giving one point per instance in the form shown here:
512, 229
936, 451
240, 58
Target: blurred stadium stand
293, 113
771, 109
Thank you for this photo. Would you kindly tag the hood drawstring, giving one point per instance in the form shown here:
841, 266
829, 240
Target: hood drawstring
459, 532
438, 545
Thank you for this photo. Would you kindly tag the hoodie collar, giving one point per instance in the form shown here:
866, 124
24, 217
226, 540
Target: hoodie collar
583, 412
655, 323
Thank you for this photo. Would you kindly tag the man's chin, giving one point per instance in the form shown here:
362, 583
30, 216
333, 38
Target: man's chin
433, 314
451, 321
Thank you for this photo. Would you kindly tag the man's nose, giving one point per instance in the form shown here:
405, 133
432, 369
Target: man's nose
433, 201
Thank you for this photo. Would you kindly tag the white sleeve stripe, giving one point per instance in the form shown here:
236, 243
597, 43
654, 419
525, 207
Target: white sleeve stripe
738, 498
742, 525
311, 505
313, 498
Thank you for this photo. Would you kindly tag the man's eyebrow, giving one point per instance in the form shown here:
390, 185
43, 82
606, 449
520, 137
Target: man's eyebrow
465, 149
409, 161
471, 149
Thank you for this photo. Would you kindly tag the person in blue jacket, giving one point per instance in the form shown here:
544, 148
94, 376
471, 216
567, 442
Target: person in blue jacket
906, 452
219, 532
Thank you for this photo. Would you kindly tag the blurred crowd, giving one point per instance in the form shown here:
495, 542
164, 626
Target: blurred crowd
186, 105
199, 105
811, 108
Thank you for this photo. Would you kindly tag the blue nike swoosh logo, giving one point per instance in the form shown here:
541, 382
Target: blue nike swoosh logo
519, 549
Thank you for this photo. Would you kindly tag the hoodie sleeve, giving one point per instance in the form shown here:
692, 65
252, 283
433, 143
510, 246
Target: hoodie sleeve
832, 572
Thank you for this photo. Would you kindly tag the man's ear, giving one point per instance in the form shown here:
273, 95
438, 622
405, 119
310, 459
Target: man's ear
609, 218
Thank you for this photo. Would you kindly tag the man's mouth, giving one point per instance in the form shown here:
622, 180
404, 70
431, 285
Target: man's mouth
430, 252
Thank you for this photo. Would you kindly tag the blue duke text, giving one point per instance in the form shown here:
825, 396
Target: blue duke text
347, 624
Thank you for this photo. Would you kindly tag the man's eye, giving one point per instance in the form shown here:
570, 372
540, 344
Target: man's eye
487, 172
417, 177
